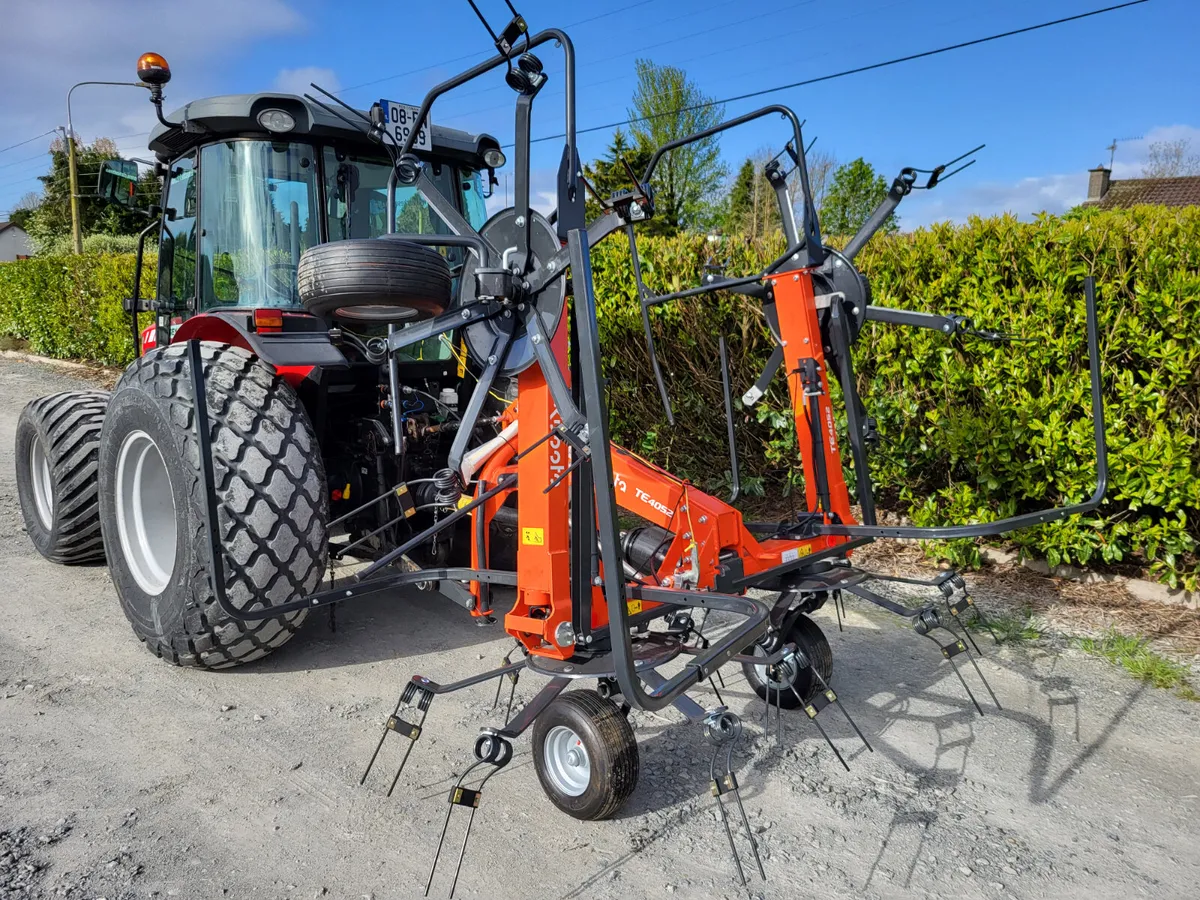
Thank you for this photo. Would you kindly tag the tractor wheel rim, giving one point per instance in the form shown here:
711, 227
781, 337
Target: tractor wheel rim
43, 485
146, 525
567, 764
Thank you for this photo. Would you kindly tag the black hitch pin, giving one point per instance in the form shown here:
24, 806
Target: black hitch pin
821, 699
724, 729
930, 620
400, 725
958, 601
490, 749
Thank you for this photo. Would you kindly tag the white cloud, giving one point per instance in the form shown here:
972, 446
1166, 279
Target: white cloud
297, 81
45, 47
1026, 197
543, 190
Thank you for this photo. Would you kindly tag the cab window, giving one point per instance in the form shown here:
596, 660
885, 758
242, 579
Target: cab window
177, 247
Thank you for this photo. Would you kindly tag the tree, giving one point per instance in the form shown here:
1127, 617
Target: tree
669, 105
51, 219
608, 174
821, 166
854, 192
1170, 159
24, 208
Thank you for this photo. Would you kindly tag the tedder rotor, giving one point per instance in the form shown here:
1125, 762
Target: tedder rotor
350, 360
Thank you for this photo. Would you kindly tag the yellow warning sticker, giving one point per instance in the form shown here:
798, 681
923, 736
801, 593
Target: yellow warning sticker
462, 357
534, 537
796, 552
634, 607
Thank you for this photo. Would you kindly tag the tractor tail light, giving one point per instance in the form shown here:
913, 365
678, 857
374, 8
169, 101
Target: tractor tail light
268, 321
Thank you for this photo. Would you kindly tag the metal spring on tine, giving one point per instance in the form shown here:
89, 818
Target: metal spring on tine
489, 749
410, 730
930, 620
724, 729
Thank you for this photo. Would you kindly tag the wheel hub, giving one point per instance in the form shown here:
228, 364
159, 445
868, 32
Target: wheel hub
146, 526
43, 486
567, 765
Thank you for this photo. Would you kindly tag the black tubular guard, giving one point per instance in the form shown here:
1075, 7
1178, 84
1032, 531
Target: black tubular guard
1025, 520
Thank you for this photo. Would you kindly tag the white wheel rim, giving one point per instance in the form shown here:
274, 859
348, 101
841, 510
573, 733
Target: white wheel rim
567, 765
785, 668
43, 487
146, 524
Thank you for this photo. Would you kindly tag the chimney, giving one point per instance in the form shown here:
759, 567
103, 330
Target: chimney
1098, 182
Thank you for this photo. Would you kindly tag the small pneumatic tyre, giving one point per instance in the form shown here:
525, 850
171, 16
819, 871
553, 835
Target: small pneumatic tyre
773, 684
585, 755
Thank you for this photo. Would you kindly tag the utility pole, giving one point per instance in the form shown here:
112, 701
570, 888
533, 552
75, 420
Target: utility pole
76, 230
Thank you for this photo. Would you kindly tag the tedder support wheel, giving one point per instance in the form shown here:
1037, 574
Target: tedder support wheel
585, 754
773, 686
271, 504
58, 451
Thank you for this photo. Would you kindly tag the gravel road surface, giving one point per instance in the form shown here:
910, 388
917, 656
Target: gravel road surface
123, 777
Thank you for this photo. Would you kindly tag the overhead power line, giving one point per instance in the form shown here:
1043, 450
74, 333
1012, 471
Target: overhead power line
855, 71
27, 141
457, 59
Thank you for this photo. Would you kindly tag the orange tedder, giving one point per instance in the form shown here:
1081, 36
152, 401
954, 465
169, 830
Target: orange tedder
618, 563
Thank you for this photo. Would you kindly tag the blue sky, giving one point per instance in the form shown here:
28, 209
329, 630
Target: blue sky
1046, 104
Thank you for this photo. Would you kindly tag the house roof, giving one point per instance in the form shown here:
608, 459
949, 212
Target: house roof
1155, 191
4, 226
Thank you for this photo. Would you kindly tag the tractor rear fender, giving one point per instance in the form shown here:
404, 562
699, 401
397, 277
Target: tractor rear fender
293, 353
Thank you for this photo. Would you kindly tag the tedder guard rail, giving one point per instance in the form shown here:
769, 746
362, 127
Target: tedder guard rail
1037, 517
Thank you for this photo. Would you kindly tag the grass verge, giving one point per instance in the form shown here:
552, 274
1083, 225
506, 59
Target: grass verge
1015, 626
1131, 654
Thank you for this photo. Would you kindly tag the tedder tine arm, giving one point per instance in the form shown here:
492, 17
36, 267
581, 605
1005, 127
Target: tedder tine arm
470, 415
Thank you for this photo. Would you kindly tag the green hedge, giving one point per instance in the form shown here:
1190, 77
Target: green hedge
970, 430
69, 307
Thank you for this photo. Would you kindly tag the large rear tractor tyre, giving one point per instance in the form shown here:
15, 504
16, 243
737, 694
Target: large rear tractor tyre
57, 455
586, 755
779, 684
272, 505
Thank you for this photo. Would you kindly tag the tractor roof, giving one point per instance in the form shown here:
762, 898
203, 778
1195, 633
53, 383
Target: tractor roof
236, 115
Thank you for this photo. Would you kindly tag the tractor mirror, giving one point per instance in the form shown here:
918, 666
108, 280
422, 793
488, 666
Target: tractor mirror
118, 182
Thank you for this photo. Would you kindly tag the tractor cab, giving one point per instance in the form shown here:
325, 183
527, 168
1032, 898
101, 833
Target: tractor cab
253, 180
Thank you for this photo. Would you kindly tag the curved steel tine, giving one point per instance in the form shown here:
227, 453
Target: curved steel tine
824, 734
737, 861
845, 712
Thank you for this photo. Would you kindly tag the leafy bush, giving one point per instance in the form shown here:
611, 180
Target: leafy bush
69, 307
64, 245
971, 431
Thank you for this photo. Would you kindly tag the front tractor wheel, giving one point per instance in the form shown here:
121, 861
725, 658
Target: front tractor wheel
271, 505
58, 440
585, 755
